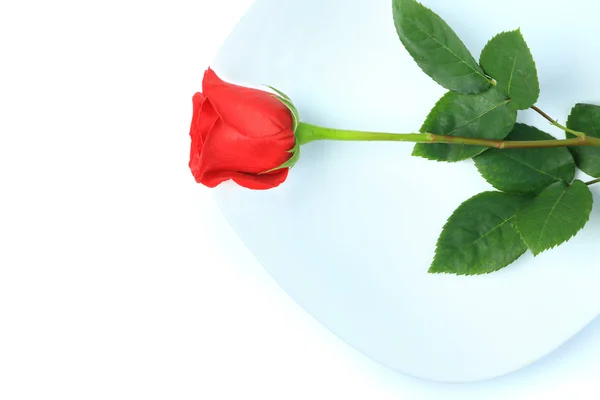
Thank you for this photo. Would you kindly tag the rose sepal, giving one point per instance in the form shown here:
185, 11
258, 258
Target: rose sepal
288, 103
295, 151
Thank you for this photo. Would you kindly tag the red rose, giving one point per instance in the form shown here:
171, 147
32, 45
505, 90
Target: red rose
239, 133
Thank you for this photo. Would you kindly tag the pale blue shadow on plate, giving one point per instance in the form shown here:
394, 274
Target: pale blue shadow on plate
351, 234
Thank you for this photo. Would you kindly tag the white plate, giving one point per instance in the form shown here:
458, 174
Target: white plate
351, 233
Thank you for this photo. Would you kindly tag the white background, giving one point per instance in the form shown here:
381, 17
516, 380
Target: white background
119, 278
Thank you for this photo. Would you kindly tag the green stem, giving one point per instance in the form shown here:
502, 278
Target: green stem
307, 133
556, 124
593, 182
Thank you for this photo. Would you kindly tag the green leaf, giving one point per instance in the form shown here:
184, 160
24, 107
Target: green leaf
555, 216
480, 237
486, 115
586, 118
526, 170
437, 49
507, 59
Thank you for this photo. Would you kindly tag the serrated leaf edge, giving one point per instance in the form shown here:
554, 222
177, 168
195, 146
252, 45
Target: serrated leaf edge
417, 153
568, 136
431, 271
479, 72
535, 254
502, 190
537, 79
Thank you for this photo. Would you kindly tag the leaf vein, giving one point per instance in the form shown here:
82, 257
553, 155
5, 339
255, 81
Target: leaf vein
477, 117
512, 73
490, 231
505, 154
447, 49
550, 214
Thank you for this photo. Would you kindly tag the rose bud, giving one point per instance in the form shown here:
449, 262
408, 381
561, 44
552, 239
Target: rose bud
242, 134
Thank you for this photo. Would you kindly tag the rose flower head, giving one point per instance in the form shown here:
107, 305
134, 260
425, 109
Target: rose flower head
242, 134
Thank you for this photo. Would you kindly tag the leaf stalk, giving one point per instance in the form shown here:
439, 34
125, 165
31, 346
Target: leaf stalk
580, 135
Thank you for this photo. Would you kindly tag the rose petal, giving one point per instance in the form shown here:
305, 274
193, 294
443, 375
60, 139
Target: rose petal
254, 113
207, 117
255, 182
203, 121
262, 182
227, 149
